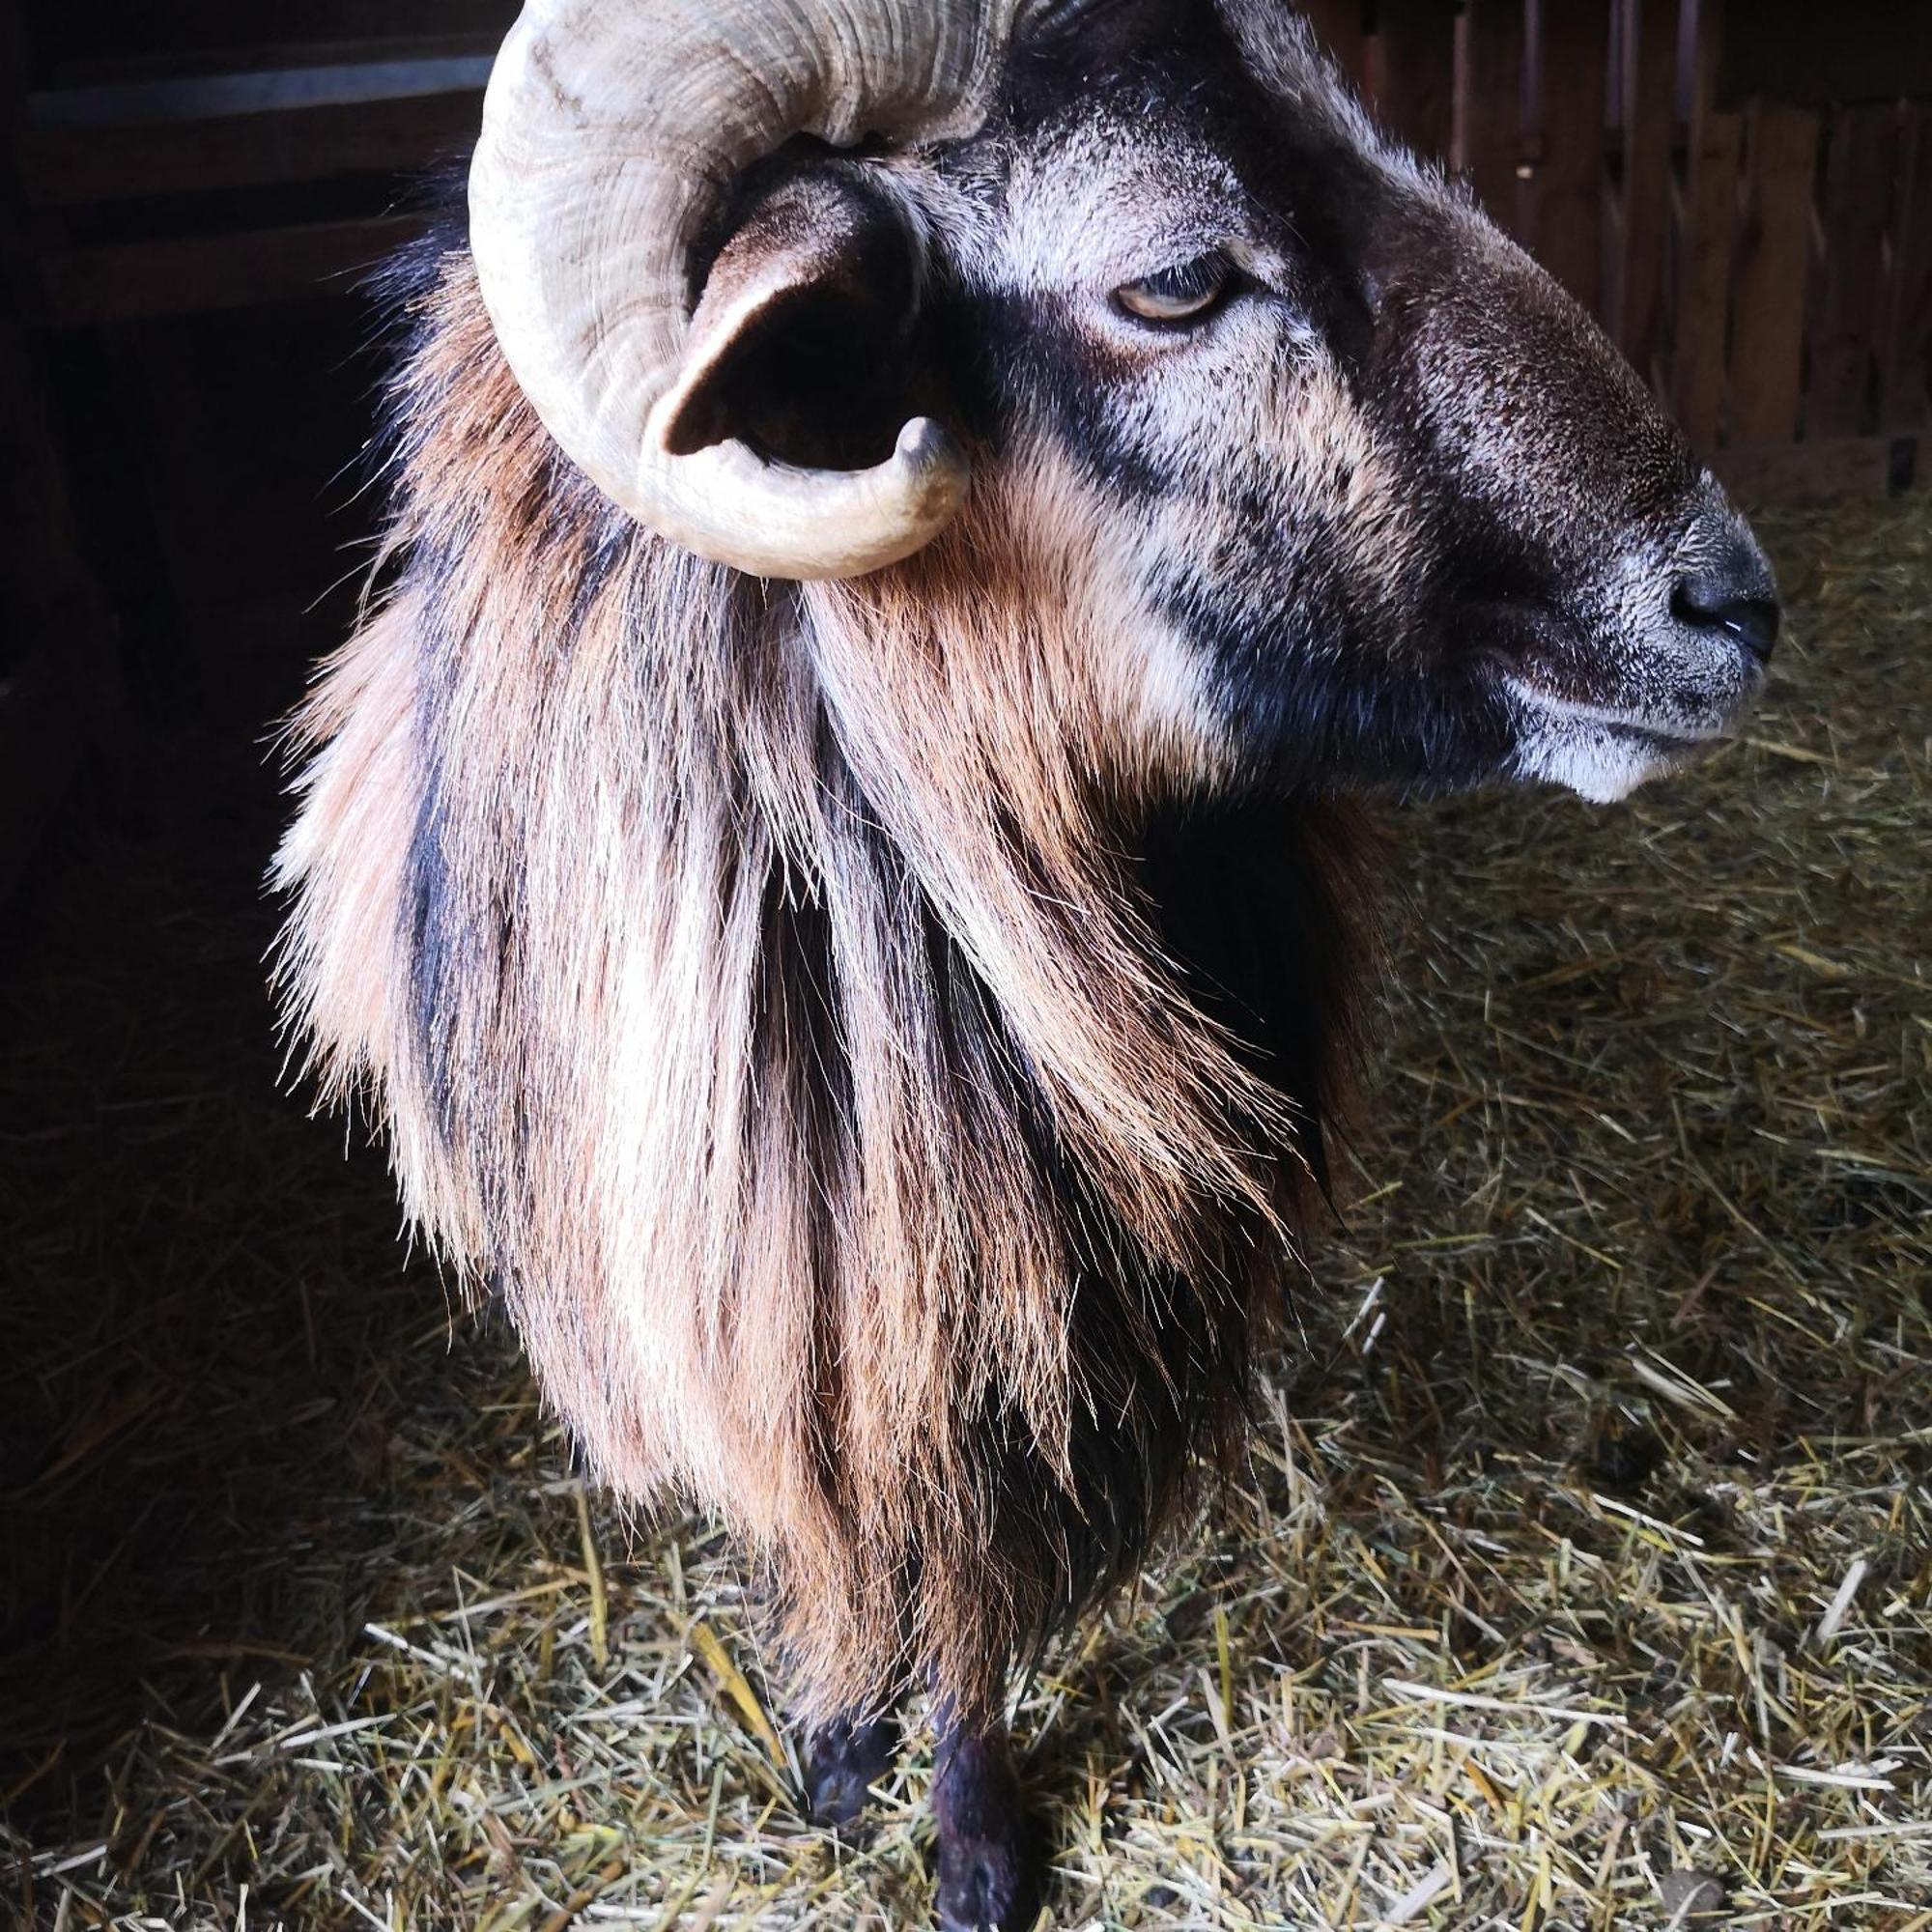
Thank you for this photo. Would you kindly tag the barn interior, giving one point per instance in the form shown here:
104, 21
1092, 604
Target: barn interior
1583, 1572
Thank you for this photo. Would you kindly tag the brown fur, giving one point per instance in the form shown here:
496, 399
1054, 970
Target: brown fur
762, 988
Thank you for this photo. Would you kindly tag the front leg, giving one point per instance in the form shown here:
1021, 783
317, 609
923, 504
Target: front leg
842, 1761
990, 1869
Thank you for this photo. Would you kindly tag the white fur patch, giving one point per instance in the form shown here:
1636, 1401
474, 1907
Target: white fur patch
1600, 755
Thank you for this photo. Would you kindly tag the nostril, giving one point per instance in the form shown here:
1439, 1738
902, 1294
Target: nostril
1716, 604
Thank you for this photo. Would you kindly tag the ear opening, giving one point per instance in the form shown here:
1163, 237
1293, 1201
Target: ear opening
804, 342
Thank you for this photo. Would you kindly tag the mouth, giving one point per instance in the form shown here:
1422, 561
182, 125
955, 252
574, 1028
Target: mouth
1598, 752
1674, 691
1578, 714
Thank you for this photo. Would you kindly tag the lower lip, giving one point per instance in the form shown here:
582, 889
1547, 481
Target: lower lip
1665, 741
1649, 735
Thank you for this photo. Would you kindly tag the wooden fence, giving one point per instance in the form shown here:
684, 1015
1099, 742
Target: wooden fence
1741, 191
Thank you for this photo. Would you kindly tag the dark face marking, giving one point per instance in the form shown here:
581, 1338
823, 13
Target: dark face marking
1033, 363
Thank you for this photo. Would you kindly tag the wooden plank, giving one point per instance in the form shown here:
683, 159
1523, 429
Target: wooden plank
90, 40
1411, 72
1804, 55
276, 89
1856, 208
60, 691
60, 93
67, 166
42, 565
1649, 95
198, 274
1905, 330
1768, 297
1490, 90
1568, 190
1705, 246
1339, 26
1800, 473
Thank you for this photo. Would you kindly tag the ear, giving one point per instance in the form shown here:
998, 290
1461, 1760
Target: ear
802, 343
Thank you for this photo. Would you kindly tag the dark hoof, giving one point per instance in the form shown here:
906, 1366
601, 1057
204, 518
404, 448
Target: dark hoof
988, 1885
843, 1764
990, 1867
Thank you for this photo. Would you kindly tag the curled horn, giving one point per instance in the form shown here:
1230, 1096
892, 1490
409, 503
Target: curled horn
611, 130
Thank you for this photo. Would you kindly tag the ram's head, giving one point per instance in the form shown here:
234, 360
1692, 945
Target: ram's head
1357, 494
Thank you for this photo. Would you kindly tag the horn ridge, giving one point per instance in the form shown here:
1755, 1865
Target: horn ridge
611, 130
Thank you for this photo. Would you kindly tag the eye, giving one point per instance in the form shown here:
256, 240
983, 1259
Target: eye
1179, 293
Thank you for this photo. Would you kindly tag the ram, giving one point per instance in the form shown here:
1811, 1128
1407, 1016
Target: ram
838, 854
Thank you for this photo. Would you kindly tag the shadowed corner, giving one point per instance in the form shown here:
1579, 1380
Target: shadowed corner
218, 1377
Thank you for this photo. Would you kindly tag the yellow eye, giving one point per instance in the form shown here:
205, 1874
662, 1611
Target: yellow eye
1179, 293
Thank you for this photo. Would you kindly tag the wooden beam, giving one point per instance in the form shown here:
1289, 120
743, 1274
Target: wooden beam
1767, 294
71, 166
82, 41
1339, 26
1411, 72
1571, 181
1803, 472
1804, 55
1649, 93
1490, 87
1905, 328
1705, 246
62, 686
1857, 212
197, 274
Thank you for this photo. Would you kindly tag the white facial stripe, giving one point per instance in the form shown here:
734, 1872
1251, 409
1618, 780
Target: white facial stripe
1105, 205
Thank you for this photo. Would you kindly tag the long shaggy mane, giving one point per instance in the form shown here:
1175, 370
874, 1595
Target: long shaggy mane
881, 1087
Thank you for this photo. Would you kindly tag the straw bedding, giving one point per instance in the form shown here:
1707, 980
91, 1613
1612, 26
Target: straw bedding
1581, 1575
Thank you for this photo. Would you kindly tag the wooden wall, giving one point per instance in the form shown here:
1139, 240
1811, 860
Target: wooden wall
1741, 191
189, 197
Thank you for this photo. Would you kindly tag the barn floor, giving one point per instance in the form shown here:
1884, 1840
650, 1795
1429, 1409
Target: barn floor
1589, 1545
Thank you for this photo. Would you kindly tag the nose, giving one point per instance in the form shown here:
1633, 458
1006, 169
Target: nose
1734, 595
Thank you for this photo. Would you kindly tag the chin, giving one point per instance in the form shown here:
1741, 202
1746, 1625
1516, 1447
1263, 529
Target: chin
1600, 754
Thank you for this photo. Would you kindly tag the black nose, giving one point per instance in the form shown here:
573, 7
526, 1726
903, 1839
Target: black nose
1736, 597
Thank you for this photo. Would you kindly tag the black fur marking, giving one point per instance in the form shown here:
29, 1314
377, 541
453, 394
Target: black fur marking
439, 940
1315, 709
1247, 898
1018, 359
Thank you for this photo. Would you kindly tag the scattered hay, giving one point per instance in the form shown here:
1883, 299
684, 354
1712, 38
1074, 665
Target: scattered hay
1582, 1578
